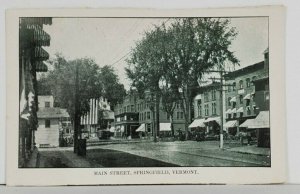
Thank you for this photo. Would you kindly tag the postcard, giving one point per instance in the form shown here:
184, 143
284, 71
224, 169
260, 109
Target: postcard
145, 96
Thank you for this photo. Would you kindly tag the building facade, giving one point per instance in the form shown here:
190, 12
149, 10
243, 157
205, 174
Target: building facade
50, 123
207, 110
99, 118
31, 57
134, 118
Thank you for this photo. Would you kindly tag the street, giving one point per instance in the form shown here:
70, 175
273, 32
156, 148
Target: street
160, 154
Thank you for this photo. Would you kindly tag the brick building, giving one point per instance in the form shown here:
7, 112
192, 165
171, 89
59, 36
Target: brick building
207, 109
135, 119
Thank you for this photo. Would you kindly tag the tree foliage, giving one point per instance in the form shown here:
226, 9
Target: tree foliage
94, 82
180, 54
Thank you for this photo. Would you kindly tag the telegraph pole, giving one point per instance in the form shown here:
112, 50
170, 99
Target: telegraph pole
221, 103
221, 112
76, 112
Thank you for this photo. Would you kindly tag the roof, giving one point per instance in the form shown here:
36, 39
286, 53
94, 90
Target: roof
245, 70
262, 76
52, 113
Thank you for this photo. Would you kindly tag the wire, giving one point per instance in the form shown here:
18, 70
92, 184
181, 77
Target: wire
131, 50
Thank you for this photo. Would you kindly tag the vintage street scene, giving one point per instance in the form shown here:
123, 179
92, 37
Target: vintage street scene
144, 92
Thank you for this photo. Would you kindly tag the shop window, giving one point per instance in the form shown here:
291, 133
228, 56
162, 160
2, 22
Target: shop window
47, 123
233, 86
228, 101
47, 104
253, 78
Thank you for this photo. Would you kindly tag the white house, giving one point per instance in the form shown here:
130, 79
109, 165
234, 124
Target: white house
49, 122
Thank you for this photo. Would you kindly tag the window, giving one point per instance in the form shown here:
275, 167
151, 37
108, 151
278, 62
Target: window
241, 114
181, 115
206, 109
247, 102
177, 115
233, 86
148, 115
199, 111
248, 83
241, 84
214, 108
241, 99
47, 104
228, 88
132, 108
213, 95
47, 123
228, 101
253, 78
199, 108
206, 96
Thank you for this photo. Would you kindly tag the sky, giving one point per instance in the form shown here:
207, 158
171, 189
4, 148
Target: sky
109, 40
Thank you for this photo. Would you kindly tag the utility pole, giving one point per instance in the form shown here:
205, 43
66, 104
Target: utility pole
221, 102
76, 112
221, 112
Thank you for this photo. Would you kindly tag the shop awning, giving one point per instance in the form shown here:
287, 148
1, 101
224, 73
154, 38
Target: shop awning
228, 111
229, 124
40, 54
198, 97
241, 109
197, 123
233, 110
40, 66
112, 129
122, 128
247, 97
233, 99
247, 123
262, 120
165, 126
141, 128
216, 119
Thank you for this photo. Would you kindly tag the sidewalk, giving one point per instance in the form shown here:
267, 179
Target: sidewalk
253, 149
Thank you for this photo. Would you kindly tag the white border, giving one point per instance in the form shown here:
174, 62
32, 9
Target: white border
219, 175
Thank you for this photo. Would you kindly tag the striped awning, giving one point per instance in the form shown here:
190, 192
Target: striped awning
216, 119
262, 120
233, 110
141, 128
229, 124
39, 36
197, 123
247, 97
39, 54
40, 66
241, 109
164, 126
233, 99
228, 111
247, 123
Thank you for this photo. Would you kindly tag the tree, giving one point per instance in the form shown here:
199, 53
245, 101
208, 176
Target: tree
112, 89
146, 69
198, 45
181, 54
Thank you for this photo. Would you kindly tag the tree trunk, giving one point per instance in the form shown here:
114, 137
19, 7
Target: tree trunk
172, 127
185, 102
